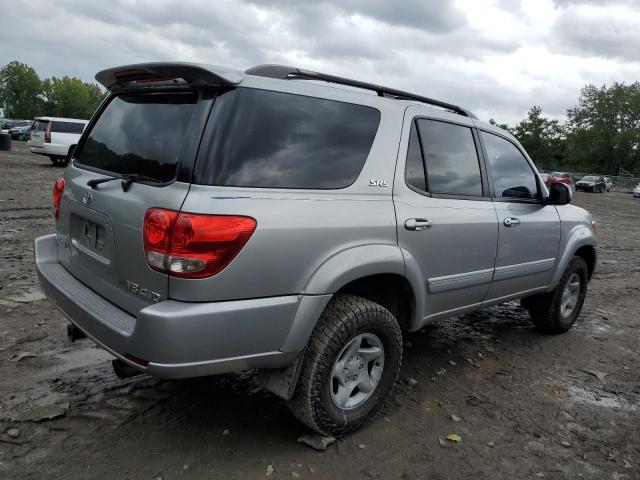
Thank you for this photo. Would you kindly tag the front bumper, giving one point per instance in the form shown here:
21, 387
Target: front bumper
180, 339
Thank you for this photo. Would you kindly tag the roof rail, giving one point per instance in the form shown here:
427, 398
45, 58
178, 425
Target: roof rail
284, 72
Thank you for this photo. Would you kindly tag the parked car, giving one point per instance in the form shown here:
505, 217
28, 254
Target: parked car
558, 177
56, 137
6, 126
20, 130
189, 244
636, 191
544, 176
591, 183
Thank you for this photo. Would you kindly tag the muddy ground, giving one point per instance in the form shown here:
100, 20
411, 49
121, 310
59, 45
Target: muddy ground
526, 405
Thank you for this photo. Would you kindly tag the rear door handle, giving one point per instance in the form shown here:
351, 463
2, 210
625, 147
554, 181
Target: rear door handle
417, 224
511, 222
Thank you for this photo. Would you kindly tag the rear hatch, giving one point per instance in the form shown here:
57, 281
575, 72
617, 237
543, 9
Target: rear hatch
38, 133
148, 133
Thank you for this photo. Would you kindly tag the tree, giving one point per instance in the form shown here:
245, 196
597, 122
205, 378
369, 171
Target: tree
543, 139
71, 97
604, 129
20, 91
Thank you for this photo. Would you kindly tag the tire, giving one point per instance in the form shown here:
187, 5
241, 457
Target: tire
346, 320
547, 311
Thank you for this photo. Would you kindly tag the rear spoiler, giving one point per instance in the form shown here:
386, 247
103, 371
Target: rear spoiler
172, 73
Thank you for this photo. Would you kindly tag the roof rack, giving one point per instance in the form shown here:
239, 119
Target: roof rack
284, 72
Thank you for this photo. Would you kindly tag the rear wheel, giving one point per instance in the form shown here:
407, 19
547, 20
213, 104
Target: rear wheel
350, 366
557, 311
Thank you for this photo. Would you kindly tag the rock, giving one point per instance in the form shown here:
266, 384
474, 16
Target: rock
456, 418
565, 444
46, 412
412, 382
13, 433
362, 446
295, 475
452, 363
491, 444
21, 356
441, 372
317, 442
442, 442
225, 431
269, 471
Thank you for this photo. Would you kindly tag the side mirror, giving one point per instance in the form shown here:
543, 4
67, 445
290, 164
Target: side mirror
559, 194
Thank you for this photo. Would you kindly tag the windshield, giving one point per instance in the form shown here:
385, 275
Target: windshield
589, 178
140, 134
558, 174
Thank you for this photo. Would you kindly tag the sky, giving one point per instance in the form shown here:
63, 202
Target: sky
496, 58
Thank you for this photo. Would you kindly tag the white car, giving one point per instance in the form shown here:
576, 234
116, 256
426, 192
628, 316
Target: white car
636, 191
54, 137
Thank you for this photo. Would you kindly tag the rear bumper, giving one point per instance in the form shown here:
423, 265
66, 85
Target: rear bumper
180, 339
50, 149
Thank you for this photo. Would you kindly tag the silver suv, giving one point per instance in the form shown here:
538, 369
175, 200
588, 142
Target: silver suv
279, 219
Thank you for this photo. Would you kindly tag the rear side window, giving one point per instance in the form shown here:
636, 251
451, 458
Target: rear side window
451, 158
511, 173
140, 134
66, 127
260, 138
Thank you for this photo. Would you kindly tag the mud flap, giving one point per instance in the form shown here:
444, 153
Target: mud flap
282, 381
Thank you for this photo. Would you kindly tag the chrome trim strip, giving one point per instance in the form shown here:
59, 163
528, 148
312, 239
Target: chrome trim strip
524, 269
459, 280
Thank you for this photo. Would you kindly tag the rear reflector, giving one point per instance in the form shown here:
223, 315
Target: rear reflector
47, 133
190, 245
58, 190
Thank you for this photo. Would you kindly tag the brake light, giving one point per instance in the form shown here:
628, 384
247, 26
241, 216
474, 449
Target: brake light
47, 133
190, 245
58, 190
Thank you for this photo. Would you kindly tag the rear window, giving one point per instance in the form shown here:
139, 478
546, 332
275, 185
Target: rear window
260, 138
140, 134
66, 127
40, 125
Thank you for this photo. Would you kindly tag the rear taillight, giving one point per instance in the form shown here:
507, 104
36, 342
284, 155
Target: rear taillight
58, 190
47, 133
190, 245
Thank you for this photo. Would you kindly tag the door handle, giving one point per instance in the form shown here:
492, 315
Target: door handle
511, 222
417, 224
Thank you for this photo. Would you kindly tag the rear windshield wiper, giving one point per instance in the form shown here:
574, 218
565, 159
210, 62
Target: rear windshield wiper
127, 180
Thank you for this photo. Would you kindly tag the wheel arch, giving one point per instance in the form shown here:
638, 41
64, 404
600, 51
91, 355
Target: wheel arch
581, 243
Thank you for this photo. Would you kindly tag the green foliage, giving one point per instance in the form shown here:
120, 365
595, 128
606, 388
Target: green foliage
25, 96
71, 97
601, 135
20, 91
603, 130
543, 139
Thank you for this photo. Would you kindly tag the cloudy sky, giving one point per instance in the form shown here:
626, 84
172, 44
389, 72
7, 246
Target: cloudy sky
495, 57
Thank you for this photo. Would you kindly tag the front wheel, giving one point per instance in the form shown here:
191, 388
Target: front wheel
350, 366
557, 311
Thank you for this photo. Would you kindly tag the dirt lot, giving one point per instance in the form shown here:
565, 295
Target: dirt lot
526, 405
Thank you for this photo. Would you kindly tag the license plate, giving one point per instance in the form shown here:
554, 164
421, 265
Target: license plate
93, 236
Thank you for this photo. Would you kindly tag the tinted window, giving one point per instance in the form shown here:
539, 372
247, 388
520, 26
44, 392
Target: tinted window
414, 169
451, 158
40, 125
260, 138
140, 134
66, 127
512, 175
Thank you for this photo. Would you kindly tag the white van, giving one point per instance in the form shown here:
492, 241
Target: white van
53, 137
